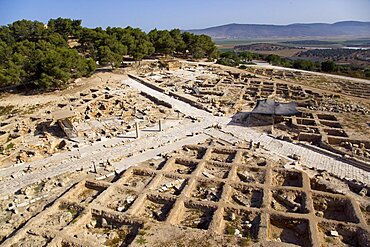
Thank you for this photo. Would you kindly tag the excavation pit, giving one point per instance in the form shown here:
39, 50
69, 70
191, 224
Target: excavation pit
303, 121
223, 155
246, 196
331, 124
334, 208
336, 132
183, 166
194, 152
308, 130
341, 235
291, 201
287, 178
86, 195
156, 164
212, 170
207, 191
252, 160
120, 199
241, 223
324, 186
66, 215
196, 216
107, 232
306, 115
156, 208
170, 184
289, 230
327, 117
251, 174
138, 179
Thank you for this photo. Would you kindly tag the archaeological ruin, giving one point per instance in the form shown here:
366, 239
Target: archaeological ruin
174, 153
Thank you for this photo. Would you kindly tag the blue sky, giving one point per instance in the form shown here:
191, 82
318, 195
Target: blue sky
185, 14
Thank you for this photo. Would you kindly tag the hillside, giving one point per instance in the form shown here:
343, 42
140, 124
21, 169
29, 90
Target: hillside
313, 30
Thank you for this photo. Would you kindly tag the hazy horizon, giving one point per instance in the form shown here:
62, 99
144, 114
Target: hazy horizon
191, 14
284, 24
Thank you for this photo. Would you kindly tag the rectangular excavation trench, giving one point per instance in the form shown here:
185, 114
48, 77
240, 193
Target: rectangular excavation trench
289, 230
195, 215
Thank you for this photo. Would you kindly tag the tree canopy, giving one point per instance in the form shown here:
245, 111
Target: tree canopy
231, 58
33, 52
52, 54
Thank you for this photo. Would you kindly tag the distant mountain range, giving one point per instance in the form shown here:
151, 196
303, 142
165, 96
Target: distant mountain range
312, 30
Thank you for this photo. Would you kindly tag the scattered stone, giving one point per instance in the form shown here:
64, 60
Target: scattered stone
289, 202
294, 157
113, 235
363, 192
177, 184
246, 177
163, 189
319, 214
104, 222
62, 144
241, 200
208, 175
232, 216
11, 206
130, 199
334, 233
61, 184
261, 162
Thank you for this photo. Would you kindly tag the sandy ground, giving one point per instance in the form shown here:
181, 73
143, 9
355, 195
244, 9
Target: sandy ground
23, 100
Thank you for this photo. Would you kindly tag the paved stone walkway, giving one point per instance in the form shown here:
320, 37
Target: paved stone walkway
85, 150
310, 158
72, 161
152, 143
